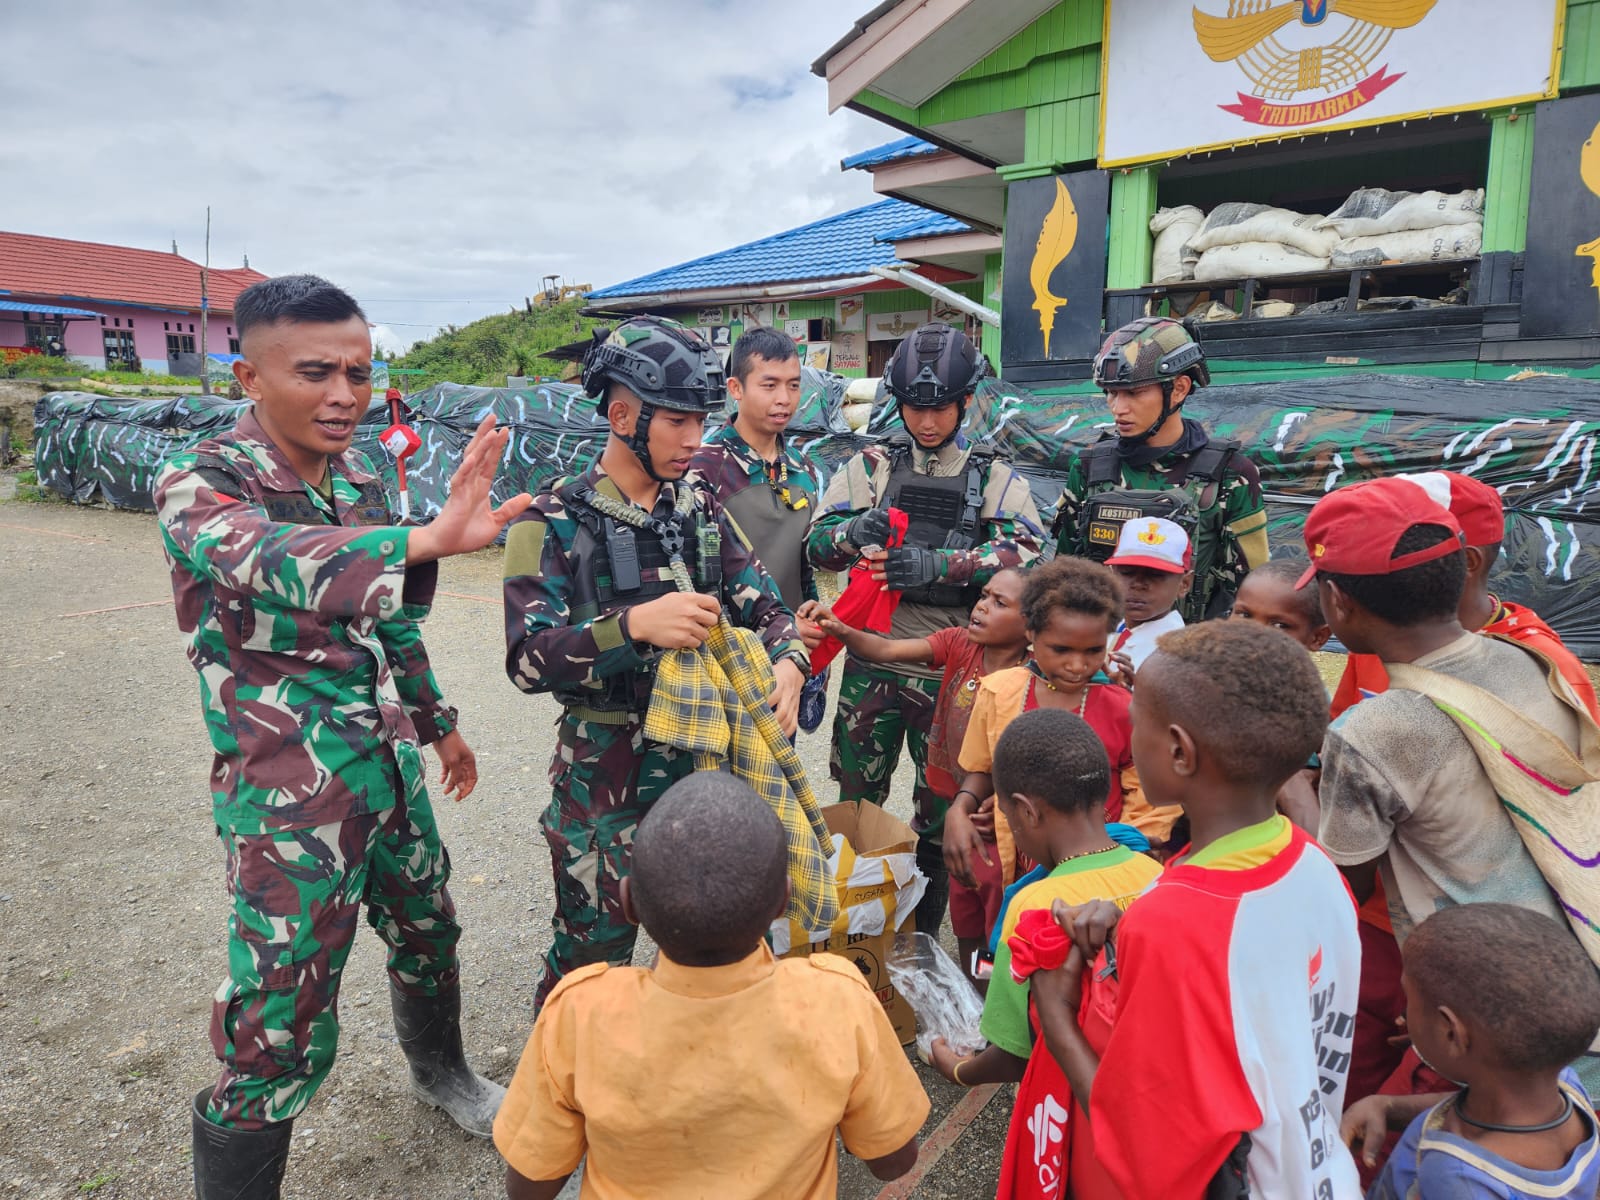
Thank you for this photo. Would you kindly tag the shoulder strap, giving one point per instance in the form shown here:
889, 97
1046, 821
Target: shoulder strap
1100, 465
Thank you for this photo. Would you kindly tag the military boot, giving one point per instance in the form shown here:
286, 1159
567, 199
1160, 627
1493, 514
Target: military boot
237, 1164
429, 1028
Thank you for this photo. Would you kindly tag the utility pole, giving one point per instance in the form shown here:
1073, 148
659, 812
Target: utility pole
205, 312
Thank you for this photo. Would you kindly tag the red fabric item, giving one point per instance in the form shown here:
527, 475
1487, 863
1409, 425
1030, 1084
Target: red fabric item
962, 661
866, 603
1107, 714
1378, 1003
1037, 944
1353, 530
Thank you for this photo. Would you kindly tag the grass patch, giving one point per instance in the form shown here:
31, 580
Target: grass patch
98, 1181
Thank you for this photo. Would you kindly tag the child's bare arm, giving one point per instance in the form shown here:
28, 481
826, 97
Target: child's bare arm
892, 1166
967, 827
518, 1187
871, 647
989, 1065
1368, 1122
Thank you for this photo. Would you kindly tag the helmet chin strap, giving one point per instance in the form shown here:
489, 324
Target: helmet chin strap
639, 441
1167, 409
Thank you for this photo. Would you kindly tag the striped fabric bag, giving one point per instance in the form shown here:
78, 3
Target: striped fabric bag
1552, 794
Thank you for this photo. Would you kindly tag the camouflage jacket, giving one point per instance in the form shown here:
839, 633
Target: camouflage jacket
561, 636
771, 504
1009, 536
303, 624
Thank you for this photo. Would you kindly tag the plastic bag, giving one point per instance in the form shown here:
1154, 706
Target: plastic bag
946, 1003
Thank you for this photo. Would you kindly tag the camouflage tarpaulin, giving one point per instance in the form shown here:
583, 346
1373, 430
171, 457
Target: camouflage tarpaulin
1535, 440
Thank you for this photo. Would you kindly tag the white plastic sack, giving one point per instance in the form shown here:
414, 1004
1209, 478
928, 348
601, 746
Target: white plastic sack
1235, 223
1371, 211
1255, 258
1173, 228
946, 1003
857, 415
1441, 243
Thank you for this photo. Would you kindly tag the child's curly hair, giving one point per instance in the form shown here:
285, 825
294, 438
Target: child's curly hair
1074, 585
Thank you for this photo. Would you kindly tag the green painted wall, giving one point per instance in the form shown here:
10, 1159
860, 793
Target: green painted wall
1509, 180
990, 297
1580, 49
1129, 243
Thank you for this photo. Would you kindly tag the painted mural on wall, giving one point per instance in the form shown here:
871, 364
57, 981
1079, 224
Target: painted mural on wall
1561, 271
1537, 441
1056, 227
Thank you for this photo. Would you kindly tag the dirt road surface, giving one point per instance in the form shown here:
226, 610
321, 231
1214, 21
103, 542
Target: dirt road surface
112, 900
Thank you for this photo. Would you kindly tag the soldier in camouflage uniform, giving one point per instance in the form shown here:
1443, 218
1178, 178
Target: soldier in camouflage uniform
1147, 369
590, 603
302, 602
970, 515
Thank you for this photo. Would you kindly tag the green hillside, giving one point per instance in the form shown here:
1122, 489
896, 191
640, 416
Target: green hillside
489, 349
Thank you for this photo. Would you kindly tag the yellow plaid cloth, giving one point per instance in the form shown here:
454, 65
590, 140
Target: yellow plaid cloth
712, 701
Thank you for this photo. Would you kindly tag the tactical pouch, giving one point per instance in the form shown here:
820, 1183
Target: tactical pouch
1104, 514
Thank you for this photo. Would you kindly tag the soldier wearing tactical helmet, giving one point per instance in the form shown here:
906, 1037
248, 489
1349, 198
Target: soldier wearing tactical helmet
1161, 463
590, 604
970, 515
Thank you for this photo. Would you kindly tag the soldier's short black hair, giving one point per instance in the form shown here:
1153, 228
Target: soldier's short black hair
1052, 755
308, 298
1429, 591
1250, 697
1521, 980
759, 341
1076, 585
709, 863
1289, 570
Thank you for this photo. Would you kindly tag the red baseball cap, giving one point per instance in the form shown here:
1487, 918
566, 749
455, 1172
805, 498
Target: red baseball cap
1353, 531
1471, 501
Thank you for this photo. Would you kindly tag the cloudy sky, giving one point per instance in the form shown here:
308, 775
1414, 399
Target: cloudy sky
434, 159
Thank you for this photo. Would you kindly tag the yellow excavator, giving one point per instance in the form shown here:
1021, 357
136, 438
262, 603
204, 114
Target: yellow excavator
554, 291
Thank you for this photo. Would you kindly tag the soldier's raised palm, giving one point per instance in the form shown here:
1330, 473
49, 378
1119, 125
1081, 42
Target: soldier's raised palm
467, 522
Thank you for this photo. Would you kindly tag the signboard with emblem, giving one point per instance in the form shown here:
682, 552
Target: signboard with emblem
885, 327
1055, 253
1561, 273
1256, 70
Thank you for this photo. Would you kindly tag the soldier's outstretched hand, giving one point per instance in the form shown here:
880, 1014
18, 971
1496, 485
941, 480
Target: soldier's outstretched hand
676, 621
467, 522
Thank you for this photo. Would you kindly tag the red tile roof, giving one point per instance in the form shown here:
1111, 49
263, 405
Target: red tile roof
46, 266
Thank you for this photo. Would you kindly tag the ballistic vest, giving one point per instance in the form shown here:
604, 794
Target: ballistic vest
944, 512
612, 566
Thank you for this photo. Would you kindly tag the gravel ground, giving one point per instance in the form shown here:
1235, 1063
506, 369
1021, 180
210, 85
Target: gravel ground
111, 882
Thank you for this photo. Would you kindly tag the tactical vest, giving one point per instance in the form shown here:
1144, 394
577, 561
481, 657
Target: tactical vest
612, 566
371, 506
1192, 499
944, 512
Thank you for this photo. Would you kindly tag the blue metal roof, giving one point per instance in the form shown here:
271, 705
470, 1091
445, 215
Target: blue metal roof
931, 225
906, 147
846, 244
47, 310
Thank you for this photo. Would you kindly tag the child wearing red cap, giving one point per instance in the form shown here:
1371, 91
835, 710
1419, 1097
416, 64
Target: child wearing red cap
1477, 507
1403, 793
1155, 562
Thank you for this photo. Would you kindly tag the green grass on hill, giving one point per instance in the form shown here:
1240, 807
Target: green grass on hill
488, 350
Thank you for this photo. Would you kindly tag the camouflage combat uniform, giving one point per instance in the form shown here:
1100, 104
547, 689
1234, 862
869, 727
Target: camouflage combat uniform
881, 706
566, 633
315, 685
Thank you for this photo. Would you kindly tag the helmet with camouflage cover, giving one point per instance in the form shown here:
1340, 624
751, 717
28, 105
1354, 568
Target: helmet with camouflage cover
933, 366
664, 364
660, 361
1150, 350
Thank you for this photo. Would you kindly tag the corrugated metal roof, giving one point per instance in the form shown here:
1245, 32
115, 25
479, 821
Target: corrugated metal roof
930, 225
849, 243
47, 266
45, 310
906, 147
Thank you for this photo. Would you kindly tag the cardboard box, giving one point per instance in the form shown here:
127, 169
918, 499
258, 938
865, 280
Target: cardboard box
878, 884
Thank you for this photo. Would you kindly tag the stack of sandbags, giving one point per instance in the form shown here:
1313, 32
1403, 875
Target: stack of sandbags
1173, 259
859, 395
1375, 226
1240, 239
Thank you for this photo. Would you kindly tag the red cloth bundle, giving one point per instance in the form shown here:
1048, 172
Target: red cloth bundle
866, 603
1037, 944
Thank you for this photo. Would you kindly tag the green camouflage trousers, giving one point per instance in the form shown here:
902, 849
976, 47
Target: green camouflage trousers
878, 709
297, 896
604, 778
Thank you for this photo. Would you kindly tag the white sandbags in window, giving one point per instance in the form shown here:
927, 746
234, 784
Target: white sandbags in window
1439, 244
1371, 211
1173, 228
1237, 222
1254, 259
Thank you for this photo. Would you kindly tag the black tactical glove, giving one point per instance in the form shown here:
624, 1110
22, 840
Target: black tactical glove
910, 567
871, 528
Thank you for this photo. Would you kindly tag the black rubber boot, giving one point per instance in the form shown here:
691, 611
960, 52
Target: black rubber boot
429, 1028
237, 1164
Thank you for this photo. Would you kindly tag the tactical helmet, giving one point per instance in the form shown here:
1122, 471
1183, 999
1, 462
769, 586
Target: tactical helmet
660, 361
1150, 350
934, 366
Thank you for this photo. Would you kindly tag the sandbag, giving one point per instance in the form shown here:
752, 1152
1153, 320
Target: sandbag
1173, 228
1441, 243
1371, 211
1255, 258
1236, 222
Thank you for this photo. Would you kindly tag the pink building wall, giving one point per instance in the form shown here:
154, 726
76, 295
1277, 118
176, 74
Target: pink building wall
85, 344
